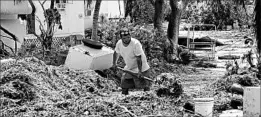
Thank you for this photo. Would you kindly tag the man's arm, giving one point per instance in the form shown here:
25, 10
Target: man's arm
139, 62
115, 58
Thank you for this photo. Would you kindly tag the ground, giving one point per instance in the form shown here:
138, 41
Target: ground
84, 93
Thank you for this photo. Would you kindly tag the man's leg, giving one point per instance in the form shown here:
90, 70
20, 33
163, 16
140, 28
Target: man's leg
125, 91
148, 83
126, 83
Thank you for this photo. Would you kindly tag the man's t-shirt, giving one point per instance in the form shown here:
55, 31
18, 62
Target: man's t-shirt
129, 54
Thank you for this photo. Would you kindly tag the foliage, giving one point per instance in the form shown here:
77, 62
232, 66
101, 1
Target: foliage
151, 40
155, 43
142, 11
221, 15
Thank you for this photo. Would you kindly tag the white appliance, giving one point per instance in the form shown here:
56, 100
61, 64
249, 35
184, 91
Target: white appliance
82, 57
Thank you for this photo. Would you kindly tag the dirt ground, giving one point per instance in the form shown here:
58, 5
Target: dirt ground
87, 94
196, 84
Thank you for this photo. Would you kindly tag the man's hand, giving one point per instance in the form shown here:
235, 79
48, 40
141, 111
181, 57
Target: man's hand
114, 68
139, 74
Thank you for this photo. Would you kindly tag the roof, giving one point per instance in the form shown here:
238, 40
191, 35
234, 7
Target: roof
10, 7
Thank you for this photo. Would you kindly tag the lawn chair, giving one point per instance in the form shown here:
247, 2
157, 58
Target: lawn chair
191, 44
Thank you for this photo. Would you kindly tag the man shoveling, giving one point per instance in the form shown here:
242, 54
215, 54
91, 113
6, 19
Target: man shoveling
136, 63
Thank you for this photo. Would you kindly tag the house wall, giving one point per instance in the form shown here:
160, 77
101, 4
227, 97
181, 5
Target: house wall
72, 18
110, 7
9, 20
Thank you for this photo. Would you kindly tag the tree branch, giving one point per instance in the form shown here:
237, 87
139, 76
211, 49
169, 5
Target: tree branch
41, 25
42, 4
127, 111
9, 33
7, 46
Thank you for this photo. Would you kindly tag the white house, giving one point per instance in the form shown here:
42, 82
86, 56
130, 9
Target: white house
9, 20
109, 8
75, 17
72, 18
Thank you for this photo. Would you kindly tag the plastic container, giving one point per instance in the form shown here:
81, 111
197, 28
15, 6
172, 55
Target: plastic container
204, 106
232, 113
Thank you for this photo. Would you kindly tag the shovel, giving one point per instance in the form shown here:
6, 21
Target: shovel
135, 74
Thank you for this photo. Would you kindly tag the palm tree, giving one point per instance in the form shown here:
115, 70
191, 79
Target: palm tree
95, 19
258, 33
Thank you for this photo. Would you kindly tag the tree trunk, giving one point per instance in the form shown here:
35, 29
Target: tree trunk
258, 26
173, 26
49, 37
258, 34
52, 4
124, 6
31, 18
158, 15
95, 20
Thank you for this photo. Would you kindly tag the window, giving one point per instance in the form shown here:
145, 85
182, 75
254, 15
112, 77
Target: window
61, 1
61, 4
88, 12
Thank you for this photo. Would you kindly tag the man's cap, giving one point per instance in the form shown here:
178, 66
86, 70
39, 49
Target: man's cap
124, 31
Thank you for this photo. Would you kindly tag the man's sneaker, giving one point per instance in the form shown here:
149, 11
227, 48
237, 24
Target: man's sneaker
125, 91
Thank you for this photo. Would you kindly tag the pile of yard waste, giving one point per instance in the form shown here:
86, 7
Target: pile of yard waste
29, 87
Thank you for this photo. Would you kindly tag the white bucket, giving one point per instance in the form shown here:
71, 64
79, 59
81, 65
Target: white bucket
204, 106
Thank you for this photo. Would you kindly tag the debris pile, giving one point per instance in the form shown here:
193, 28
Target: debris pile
169, 85
229, 90
30, 87
148, 103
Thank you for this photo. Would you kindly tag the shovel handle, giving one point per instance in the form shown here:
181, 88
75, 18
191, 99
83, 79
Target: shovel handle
132, 73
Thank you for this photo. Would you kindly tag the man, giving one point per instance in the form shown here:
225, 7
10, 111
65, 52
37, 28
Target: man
134, 57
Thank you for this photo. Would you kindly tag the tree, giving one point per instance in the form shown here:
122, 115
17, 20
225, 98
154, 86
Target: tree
95, 19
158, 14
173, 27
52, 17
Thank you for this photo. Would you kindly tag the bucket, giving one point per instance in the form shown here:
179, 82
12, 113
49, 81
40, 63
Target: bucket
204, 106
